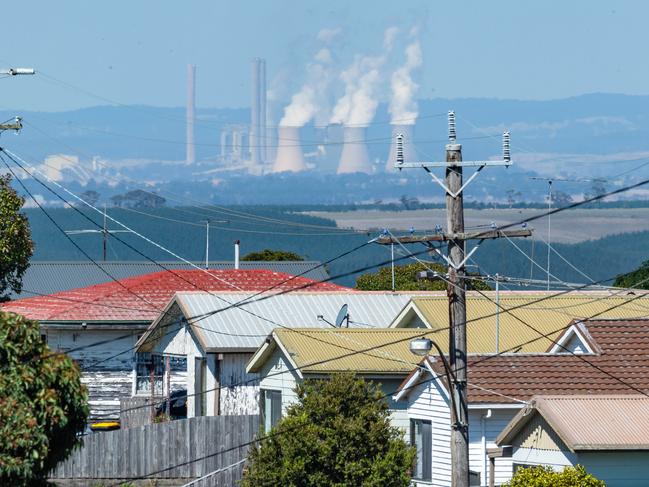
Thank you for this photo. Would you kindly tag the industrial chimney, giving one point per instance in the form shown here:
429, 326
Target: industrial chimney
258, 112
409, 153
190, 157
354, 157
289, 151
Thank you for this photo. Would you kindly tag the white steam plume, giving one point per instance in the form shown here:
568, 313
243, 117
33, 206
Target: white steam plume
312, 97
403, 105
358, 104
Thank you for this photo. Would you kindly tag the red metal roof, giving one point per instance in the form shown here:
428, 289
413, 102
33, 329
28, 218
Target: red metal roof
622, 367
142, 298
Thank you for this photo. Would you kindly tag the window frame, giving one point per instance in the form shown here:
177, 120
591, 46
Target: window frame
275, 396
423, 464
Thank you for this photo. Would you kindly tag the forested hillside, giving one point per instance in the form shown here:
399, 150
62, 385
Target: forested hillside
180, 230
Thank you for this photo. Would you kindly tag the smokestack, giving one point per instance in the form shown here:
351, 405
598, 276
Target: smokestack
236, 254
354, 157
289, 151
262, 111
409, 153
190, 156
258, 112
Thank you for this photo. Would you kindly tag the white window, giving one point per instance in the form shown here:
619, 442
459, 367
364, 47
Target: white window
271, 408
421, 437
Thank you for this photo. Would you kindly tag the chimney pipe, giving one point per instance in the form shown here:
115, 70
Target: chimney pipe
236, 254
190, 157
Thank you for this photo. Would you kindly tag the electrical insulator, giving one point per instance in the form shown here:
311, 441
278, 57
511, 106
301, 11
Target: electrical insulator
507, 157
451, 126
399, 149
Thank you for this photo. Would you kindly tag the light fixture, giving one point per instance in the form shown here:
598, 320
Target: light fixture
421, 346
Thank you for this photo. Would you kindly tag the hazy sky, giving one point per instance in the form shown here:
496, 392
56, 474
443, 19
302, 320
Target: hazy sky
135, 51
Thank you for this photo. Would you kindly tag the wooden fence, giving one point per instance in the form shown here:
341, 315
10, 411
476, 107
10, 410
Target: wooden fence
182, 449
133, 411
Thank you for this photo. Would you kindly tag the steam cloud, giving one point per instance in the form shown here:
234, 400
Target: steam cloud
312, 97
357, 106
403, 106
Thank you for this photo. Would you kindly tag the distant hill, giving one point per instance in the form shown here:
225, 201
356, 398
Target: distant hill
599, 259
584, 137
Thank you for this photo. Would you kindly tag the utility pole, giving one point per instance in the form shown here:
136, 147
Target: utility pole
207, 238
16, 123
456, 258
104, 232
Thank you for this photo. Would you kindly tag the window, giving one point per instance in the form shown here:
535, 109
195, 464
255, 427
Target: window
145, 366
271, 408
421, 437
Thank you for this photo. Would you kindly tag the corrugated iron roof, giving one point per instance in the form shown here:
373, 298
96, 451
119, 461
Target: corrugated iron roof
385, 351
620, 367
606, 422
548, 317
246, 326
142, 298
53, 277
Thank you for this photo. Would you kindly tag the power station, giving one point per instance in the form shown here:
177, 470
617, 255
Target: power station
263, 146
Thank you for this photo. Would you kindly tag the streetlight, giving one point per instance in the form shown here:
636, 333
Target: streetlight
422, 347
18, 71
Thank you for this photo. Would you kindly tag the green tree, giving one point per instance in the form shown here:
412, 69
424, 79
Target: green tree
544, 476
16, 245
406, 279
272, 255
337, 434
43, 405
638, 278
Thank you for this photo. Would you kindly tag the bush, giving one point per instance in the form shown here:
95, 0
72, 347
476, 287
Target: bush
43, 405
405, 279
337, 434
543, 476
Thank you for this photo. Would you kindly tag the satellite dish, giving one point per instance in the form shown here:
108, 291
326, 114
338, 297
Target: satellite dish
342, 316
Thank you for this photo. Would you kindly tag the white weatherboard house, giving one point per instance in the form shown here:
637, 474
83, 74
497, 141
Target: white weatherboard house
98, 325
218, 333
288, 357
608, 435
605, 357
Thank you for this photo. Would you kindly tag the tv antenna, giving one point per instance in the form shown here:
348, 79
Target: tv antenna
104, 231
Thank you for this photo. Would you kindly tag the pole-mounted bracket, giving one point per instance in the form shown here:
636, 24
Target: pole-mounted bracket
506, 160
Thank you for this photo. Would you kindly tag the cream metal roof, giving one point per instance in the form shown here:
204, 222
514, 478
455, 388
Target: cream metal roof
609, 422
246, 326
380, 351
549, 317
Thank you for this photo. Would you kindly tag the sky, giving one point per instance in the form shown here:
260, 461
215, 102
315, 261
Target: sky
136, 52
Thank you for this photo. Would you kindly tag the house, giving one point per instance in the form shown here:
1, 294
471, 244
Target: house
99, 325
492, 328
607, 434
217, 340
610, 357
289, 356
49, 277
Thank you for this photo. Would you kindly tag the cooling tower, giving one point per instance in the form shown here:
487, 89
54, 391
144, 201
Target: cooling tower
289, 151
409, 154
354, 157
190, 156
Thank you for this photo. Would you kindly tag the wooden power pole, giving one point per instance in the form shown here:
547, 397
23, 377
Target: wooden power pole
456, 258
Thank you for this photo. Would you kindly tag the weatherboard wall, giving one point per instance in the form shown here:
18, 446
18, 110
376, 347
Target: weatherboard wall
428, 401
106, 367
